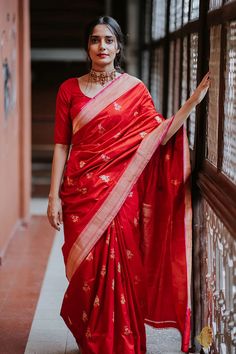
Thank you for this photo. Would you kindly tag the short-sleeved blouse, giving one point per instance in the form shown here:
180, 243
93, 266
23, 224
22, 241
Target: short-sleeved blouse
70, 99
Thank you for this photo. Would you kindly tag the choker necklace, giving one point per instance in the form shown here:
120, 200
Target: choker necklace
102, 77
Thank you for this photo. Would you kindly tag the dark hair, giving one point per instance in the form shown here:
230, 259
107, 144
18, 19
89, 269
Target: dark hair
113, 25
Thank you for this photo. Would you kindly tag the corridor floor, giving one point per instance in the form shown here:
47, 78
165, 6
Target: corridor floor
48, 333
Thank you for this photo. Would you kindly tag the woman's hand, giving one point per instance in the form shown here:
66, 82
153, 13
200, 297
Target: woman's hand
184, 112
54, 212
201, 89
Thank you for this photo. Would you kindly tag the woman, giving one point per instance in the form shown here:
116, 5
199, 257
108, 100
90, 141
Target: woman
124, 202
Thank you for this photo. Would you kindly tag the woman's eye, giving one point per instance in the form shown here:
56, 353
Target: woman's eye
94, 40
109, 41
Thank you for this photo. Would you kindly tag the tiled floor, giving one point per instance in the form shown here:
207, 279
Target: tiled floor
48, 334
22, 276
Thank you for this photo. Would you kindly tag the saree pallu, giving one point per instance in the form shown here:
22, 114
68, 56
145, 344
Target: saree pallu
127, 223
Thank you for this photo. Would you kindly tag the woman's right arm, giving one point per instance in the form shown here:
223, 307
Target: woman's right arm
54, 211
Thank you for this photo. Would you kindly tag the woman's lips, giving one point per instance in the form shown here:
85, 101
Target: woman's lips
102, 55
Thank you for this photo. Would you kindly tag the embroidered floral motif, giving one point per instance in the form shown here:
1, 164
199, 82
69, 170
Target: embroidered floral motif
127, 331
112, 253
105, 178
117, 135
105, 157
142, 134
70, 181
108, 239
136, 280
96, 302
113, 284
89, 175
103, 271
175, 182
158, 119
89, 257
101, 129
129, 254
130, 195
70, 322
117, 106
86, 287
81, 164
84, 316
82, 190
88, 333
167, 157
118, 267
135, 113
75, 218
122, 299
135, 222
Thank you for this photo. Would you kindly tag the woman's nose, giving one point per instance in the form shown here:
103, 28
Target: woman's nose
102, 44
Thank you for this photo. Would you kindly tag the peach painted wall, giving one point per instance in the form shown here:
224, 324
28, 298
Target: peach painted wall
15, 117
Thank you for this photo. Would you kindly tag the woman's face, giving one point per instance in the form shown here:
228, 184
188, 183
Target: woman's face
102, 48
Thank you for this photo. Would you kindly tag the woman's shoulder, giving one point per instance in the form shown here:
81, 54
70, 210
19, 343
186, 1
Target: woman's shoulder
68, 83
137, 81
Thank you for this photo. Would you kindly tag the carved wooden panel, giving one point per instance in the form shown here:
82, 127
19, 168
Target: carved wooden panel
186, 11
158, 19
213, 4
176, 8
213, 108
179, 8
194, 13
193, 84
184, 92
171, 78
172, 25
218, 250
229, 150
157, 78
177, 75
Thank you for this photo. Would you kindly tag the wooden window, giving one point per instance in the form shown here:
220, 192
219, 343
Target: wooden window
159, 19
157, 78
213, 107
193, 83
194, 36
229, 137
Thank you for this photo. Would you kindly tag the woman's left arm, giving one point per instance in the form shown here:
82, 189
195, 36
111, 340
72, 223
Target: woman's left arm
188, 107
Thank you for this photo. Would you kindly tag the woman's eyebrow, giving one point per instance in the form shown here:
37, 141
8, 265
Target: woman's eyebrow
95, 36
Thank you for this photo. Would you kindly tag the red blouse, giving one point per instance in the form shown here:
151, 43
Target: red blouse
70, 99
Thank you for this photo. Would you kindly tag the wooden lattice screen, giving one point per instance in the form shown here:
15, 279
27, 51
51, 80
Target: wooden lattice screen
184, 38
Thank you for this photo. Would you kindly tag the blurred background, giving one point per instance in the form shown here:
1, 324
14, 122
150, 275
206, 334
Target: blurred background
170, 45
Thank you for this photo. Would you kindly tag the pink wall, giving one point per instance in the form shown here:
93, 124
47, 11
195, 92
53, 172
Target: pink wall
15, 121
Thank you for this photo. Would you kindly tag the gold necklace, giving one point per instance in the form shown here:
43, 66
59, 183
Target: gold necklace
102, 77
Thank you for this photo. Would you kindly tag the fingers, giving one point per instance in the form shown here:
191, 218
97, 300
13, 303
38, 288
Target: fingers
54, 221
60, 217
205, 81
53, 218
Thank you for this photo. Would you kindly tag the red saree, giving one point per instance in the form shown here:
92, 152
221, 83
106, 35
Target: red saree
127, 218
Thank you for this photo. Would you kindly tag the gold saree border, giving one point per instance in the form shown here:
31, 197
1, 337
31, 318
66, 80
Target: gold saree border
104, 98
111, 206
188, 214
